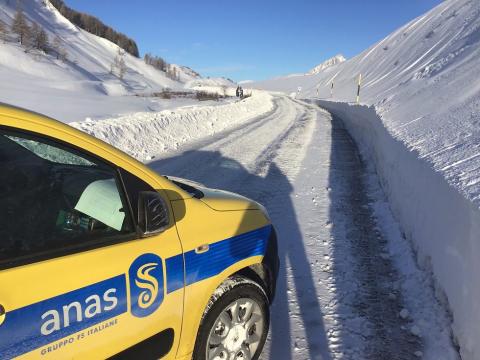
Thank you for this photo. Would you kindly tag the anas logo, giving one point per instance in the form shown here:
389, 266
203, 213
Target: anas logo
146, 284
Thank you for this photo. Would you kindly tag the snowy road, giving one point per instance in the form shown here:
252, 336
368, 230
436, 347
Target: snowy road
338, 294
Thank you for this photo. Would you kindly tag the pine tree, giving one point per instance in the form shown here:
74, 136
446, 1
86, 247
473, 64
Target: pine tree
34, 34
59, 49
119, 64
63, 54
57, 45
172, 72
20, 27
122, 68
147, 58
156, 61
3, 31
39, 38
43, 40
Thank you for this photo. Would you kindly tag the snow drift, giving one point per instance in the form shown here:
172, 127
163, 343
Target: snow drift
420, 124
145, 135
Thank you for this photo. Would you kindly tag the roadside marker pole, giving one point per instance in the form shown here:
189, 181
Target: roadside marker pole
359, 86
331, 90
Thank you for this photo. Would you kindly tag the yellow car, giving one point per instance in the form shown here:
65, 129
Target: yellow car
102, 257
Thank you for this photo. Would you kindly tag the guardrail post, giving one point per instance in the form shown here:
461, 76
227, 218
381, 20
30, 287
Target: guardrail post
359, 86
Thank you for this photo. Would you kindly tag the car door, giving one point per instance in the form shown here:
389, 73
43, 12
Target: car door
78, 279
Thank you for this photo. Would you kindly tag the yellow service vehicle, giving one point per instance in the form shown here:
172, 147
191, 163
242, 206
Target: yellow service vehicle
102, 257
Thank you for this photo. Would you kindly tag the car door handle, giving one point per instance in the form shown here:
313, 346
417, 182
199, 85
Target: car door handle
2, 314
202, 249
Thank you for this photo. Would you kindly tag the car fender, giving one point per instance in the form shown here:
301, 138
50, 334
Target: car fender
196, 300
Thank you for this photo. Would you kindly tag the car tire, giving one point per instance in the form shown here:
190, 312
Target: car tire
236, 321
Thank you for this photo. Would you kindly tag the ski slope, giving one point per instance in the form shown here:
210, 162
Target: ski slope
418, 123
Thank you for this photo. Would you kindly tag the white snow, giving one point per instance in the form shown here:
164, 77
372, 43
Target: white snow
334, 288
82, 86
90, 57
337, 59
146, 135
419, 124
348, 274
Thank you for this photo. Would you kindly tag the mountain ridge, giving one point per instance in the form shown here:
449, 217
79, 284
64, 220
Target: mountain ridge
337, 59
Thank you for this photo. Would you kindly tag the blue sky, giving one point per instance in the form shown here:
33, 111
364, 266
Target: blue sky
253, 39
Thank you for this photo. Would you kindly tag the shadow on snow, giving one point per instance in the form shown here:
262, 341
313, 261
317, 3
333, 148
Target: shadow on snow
274, 191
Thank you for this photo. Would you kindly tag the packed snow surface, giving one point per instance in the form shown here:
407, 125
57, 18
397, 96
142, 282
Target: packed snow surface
419, 124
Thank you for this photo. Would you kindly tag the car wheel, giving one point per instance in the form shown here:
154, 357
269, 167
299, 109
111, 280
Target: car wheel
235, 324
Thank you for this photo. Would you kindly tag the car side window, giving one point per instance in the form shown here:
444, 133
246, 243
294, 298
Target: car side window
54, 198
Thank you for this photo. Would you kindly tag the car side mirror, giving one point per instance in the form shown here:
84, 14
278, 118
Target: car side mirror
153, 215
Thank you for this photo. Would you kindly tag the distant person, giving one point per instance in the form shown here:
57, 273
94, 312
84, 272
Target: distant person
238, 91
241, 92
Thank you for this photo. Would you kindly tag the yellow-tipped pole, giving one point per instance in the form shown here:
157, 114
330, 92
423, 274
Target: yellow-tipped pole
359, 86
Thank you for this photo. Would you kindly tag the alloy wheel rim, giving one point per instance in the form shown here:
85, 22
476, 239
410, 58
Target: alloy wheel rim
237, 331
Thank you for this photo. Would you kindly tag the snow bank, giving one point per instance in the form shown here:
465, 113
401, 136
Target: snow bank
443, 225
146, 134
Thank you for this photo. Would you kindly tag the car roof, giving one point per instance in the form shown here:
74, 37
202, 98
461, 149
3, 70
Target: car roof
29, 115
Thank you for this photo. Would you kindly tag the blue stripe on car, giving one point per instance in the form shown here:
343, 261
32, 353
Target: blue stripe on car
220, 256
175, 273
20, 333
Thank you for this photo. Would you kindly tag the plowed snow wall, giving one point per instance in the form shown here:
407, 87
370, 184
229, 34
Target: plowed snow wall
443, 226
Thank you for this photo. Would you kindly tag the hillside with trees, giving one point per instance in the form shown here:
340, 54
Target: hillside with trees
94, 26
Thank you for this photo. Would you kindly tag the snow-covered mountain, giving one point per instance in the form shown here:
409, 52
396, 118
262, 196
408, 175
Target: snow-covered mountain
89, 57
210, 83
337, 59
419, 124
84, 81
185, 74
422, 81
